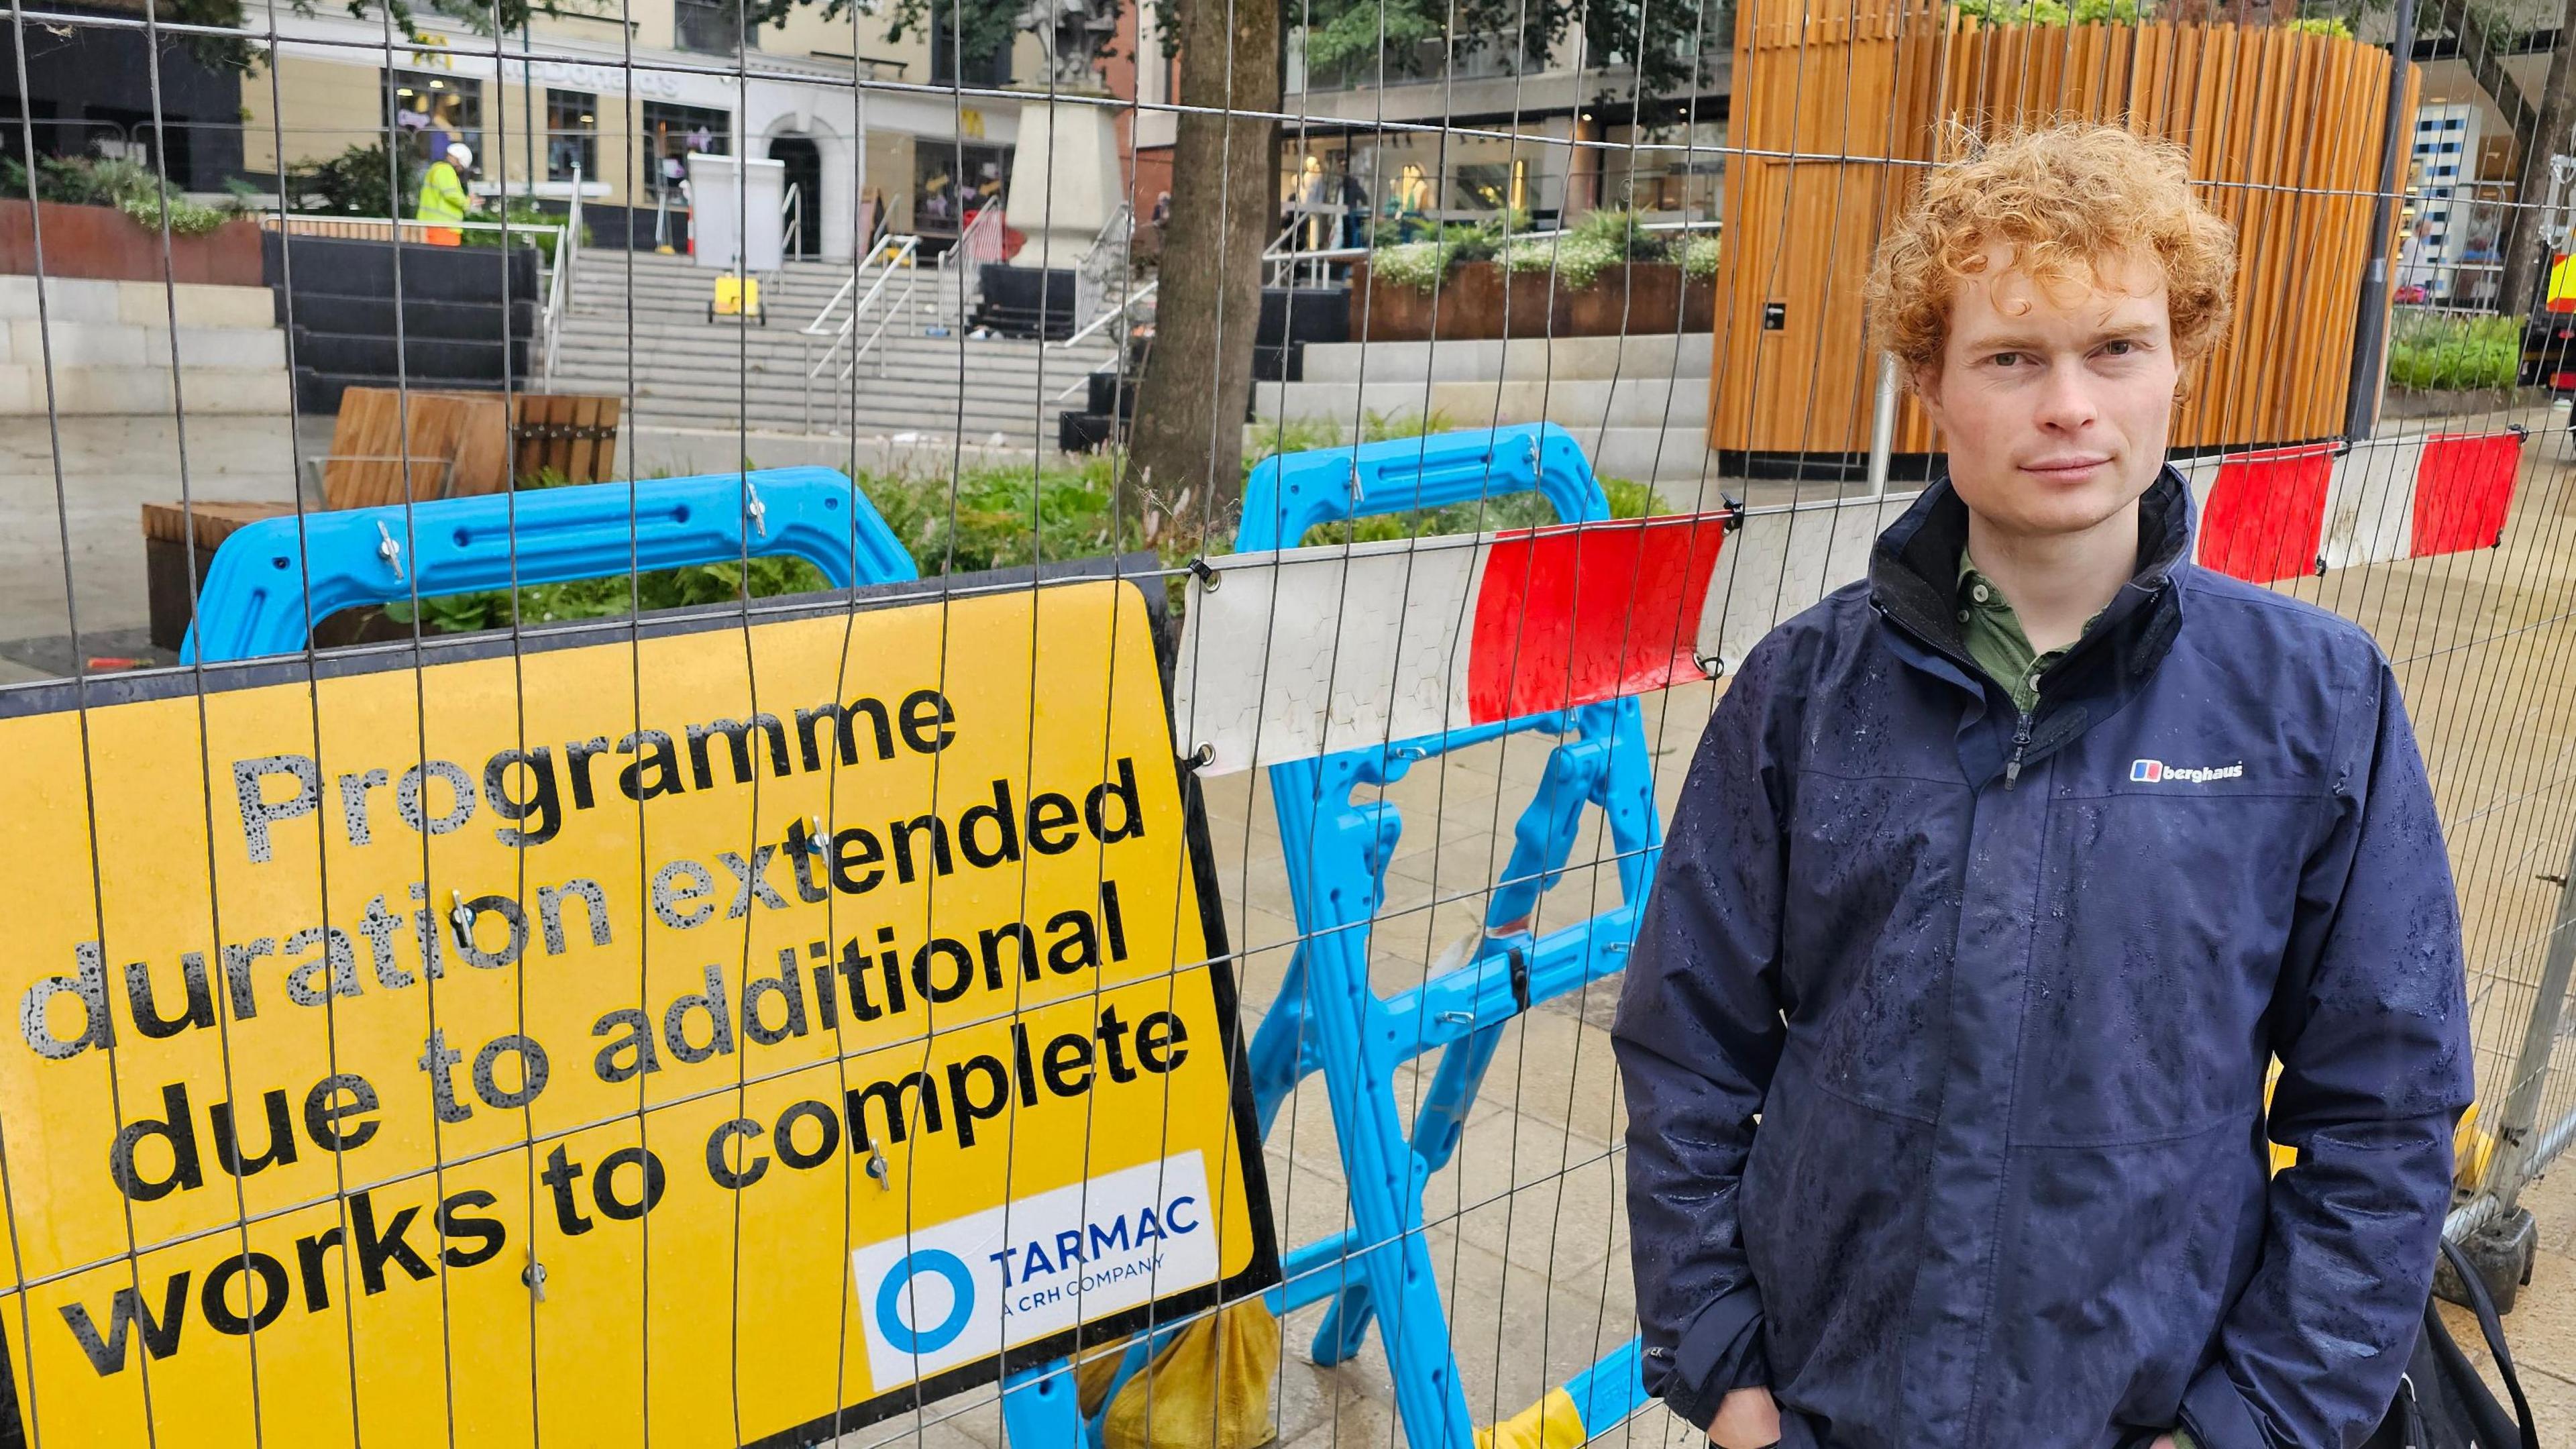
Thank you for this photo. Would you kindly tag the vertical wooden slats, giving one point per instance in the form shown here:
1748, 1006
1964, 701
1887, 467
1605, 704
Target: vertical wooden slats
2284, 129
572, 434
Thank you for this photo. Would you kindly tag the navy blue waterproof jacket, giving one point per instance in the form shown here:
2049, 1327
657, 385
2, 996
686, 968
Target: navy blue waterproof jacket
2002, 992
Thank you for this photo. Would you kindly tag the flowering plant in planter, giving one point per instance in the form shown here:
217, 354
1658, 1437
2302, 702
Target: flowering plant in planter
1602, 240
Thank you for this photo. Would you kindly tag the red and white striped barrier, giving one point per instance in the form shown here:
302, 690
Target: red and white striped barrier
2282, 512
1306, 651
1301, 652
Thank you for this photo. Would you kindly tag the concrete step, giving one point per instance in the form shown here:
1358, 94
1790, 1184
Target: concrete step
992, 432
894, 396
1521, 358
1632, 401
725, 351
725, 368
114, 391
135, 304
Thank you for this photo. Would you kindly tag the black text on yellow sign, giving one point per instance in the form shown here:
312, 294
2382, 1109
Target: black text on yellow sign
721, 1032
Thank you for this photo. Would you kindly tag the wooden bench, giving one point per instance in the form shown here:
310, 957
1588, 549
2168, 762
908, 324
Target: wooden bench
451, 445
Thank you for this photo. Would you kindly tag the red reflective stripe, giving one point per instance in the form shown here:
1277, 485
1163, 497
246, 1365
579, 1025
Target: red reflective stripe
1571, 615
2266, 513
2463, 488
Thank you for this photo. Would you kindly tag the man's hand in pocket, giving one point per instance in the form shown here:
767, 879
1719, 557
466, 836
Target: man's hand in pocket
1746, 1419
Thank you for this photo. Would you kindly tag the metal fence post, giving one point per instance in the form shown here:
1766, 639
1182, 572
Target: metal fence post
2499, 1236
2518, 1134
2370, 340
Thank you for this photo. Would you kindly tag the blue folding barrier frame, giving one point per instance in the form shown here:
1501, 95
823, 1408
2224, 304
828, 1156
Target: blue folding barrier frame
1328, 1017
271, 581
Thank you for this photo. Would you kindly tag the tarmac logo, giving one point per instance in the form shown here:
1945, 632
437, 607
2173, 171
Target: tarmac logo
943, 1294
2150, 772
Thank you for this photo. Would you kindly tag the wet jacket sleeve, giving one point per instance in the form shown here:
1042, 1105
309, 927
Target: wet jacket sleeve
2370, 1022
1698, 1034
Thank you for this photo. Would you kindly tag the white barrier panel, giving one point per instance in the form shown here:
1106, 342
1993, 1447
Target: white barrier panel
2370, 506
1784, 560
1304, 651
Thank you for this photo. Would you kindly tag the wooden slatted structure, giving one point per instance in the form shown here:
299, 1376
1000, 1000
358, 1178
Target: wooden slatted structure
573, 434
380, 428
452, 445
1840, 105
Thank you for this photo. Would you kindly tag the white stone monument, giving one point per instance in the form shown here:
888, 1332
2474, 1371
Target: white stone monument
1065, 184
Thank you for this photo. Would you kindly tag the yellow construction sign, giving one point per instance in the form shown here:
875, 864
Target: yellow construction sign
723, 1031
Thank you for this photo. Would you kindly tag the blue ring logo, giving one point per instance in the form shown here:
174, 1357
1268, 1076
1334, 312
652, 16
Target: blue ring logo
901, 1337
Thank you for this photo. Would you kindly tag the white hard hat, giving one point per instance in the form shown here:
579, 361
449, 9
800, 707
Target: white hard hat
461, 156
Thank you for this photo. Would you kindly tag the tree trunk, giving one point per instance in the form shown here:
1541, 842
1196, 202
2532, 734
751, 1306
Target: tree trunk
1198, 378
2526, 254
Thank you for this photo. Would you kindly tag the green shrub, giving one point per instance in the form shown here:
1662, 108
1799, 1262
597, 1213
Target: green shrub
998, 518
1305, 435
1628, 499
2115, 12
2052, 12
128, 186
2434, 352
1624, 233
357, 182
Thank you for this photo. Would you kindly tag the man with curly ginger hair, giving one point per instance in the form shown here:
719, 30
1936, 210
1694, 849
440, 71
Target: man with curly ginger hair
1998, 882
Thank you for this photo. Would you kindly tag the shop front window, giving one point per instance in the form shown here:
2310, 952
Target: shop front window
572, 135
671, 132
952, 180
428, 111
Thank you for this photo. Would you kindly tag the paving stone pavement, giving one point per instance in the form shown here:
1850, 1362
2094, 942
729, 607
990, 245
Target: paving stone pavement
1527, 1227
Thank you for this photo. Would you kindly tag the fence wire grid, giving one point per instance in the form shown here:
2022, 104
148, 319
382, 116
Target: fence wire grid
784, 584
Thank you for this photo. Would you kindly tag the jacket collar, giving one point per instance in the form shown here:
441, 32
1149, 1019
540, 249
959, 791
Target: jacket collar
1913, 576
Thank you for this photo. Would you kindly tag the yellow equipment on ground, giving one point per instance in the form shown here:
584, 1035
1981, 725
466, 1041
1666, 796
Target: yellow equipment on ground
1208, 1389
2472, 1147
737, 296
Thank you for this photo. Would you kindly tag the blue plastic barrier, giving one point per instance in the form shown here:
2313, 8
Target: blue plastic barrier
272, 580
1327, 1016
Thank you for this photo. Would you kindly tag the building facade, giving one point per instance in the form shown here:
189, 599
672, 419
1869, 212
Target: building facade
1465, 137
618, 99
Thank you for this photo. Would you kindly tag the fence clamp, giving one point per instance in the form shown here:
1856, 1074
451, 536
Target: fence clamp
388, 550
753, 506
1734, 513
1209, 579
534, 1275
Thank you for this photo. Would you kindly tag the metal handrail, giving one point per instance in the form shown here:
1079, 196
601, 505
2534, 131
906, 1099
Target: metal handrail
858, 353
899, 253
954, 259
1112, 313
791, 218
904, 248
559, 287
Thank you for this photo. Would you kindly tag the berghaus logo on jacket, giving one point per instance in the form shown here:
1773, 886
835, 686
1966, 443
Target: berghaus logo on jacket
2151, 772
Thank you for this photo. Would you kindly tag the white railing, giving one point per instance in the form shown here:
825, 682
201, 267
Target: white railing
1112, 312
791, 219
959, 279
559, 287
893, 288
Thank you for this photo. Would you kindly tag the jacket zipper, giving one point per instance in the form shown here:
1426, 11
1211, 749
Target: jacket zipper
2021, 745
